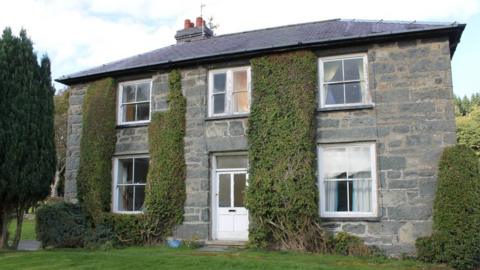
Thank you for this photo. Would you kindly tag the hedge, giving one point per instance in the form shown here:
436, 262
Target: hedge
97, 146
165, 191
456, 212
282, 196
61, 225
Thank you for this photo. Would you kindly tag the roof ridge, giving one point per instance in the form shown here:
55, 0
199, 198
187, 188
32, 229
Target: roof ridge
401, 21
275, 27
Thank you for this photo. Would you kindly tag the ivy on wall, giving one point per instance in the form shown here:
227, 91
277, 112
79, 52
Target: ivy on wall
282, 196
94, 180
165, 191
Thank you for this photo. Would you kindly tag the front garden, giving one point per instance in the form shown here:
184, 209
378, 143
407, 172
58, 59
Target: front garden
166, 258
161, 257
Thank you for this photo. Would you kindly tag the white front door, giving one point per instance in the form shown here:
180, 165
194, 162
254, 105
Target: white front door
231, 214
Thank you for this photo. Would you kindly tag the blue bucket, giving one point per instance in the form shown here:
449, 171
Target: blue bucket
174, 243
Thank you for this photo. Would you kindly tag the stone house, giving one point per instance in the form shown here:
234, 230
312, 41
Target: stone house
385, 113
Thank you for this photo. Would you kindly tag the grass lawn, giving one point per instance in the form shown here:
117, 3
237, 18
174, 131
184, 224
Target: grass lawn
28, 229
165, 258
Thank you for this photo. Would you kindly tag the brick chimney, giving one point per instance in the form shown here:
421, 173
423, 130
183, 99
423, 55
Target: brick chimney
191, 32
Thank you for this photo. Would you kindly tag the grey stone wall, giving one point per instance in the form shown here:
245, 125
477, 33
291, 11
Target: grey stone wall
411, 122
226, 134
131, 141
197, 204
74, 132
159, 92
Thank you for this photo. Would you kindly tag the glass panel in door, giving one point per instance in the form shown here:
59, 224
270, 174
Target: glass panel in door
224, 193
239, 183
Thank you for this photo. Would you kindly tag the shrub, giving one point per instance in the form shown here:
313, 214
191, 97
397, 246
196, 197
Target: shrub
282, 195
346, 244
431, 248
165, 191
100, 237
97, 146
456, 212
125, 229
61, 225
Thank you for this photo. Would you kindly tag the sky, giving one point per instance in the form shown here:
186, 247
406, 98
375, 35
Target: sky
80, 34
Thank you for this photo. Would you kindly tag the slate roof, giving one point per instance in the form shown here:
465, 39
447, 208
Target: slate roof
313, 34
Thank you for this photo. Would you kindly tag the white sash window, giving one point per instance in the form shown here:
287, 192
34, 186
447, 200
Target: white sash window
348, 182
134, 102
130, 178
344, 81
229, 91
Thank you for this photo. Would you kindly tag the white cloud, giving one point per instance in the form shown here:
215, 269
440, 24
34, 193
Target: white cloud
82, 34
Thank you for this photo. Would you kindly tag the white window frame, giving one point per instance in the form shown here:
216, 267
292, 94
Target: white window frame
366, 98
228, 91
120, 120
214, 171
116, 167
321, 183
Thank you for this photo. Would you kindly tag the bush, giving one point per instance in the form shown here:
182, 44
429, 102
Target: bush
97, 146
456, 212
282, 195
100, 237
431, 248
65, 225
346, 244
61, 225
125, 229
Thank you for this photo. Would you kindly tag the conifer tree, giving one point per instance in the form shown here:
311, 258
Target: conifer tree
27, 149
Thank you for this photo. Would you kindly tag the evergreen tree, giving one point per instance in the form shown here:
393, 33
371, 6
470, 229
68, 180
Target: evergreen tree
466, 105
475, 100
27, 149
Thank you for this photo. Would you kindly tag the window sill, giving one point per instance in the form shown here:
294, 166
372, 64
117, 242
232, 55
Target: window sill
226, 117
143, 124
127, 212
340, 219
346, 108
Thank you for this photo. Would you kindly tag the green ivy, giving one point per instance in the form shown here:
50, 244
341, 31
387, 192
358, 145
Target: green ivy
165, 191
282, 196
97, 146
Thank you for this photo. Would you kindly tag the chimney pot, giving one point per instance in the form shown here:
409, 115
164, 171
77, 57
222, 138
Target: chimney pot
187, 24
192, 32
199, 22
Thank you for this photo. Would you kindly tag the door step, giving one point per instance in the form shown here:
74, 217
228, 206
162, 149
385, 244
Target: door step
223, 245
226, 243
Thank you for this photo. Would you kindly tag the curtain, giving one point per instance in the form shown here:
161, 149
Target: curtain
330, 70
331, 188
363, 84
361, 195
